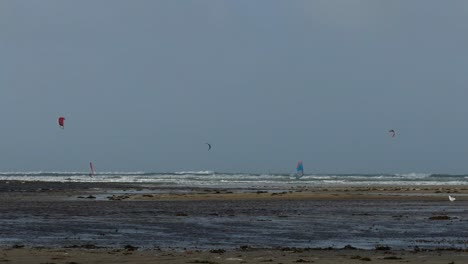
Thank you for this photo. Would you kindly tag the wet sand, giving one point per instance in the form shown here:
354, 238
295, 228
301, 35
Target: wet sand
93, 223
258, 256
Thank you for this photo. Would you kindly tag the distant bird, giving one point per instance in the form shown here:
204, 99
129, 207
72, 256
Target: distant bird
451, 198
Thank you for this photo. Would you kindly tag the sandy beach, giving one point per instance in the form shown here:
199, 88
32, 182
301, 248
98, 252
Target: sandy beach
148, 223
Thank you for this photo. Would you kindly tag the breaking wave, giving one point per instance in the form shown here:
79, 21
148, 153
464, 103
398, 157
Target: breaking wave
212, 178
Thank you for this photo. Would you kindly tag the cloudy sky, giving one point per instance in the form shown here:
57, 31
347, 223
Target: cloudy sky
144, 84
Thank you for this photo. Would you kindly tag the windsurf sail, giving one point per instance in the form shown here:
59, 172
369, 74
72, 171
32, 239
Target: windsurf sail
92, 168
61, 121
299, 169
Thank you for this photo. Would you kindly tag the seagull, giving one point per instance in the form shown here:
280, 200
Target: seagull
451, 198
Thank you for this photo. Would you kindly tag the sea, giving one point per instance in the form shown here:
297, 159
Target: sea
240, 180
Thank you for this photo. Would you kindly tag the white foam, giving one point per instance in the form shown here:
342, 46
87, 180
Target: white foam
195, 172
414, 175
206, 178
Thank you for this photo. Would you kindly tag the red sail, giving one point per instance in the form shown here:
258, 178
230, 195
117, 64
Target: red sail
61, 121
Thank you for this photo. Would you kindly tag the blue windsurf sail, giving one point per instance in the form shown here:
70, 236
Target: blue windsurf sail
299, 169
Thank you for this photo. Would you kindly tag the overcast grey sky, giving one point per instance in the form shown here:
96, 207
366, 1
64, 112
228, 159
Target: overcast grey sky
144, 84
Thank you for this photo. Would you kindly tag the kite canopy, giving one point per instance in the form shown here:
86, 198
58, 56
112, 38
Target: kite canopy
392, 132
61, 121
209, 146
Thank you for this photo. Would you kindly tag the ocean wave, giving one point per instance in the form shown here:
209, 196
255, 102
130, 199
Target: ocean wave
207, 178
194, 172
414, 175
60, 173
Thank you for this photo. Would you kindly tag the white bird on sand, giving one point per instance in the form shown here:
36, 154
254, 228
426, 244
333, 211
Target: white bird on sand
451, 198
